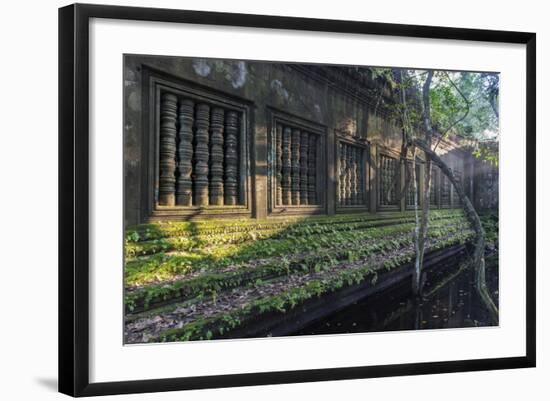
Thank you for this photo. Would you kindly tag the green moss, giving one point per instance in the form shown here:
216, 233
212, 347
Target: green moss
323, 253
225, 322
194, 262
219, 254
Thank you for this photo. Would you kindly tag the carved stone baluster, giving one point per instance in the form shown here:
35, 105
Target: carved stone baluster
216, 157
386, 181
167, 150
231, 157
352, 193
184, 183
304, 153
339, 181
394, 180
395, 168
359, 176
410, 201
295, 158
389, 180
279, 164
348, 175
200, 171
353, 175
417, 175
344, 168
349, 168
311, 173
382, 191
287, 165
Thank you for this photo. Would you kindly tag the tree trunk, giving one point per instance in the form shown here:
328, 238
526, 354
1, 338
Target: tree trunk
473, 218
417, 250
423, 231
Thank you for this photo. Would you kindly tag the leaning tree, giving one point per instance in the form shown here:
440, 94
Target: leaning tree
432, 105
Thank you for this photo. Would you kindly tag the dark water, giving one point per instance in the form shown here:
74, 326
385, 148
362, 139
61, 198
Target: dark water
450, 301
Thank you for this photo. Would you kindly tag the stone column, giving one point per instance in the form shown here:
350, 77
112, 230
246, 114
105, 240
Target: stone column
278, 176
359, 173
346, 176
311, 172
216, 157
231, 158
184, 183
167, 150
374, 179
401, 179
295, 165
340, 174
353, 174
287, 167
304, 154
200, 172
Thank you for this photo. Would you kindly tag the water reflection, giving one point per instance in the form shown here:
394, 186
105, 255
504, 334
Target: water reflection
450, 301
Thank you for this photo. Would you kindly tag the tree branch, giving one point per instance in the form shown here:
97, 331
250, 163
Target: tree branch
461, 118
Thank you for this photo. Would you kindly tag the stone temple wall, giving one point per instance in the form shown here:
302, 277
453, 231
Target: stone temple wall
210, 138
486, 191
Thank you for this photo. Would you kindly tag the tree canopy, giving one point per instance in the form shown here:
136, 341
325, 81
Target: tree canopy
463, 104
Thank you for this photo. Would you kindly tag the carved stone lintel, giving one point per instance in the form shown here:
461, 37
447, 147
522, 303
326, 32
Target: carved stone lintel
216, 157
304, 153
167, 150
231, 158
279, 164
295, 155
200, 171
184, 182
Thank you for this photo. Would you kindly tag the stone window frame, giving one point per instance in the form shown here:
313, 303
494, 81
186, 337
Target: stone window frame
153, 83
387, 152
364, 145
274, 117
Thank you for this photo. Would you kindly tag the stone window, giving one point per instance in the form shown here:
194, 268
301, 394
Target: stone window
388, 181
297, 165
198, 153
198, 143
296, 181
351, 167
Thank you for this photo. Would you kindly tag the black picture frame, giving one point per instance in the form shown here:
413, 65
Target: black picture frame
74, 198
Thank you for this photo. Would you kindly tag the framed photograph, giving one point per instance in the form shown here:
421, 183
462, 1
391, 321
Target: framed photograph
250, 199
